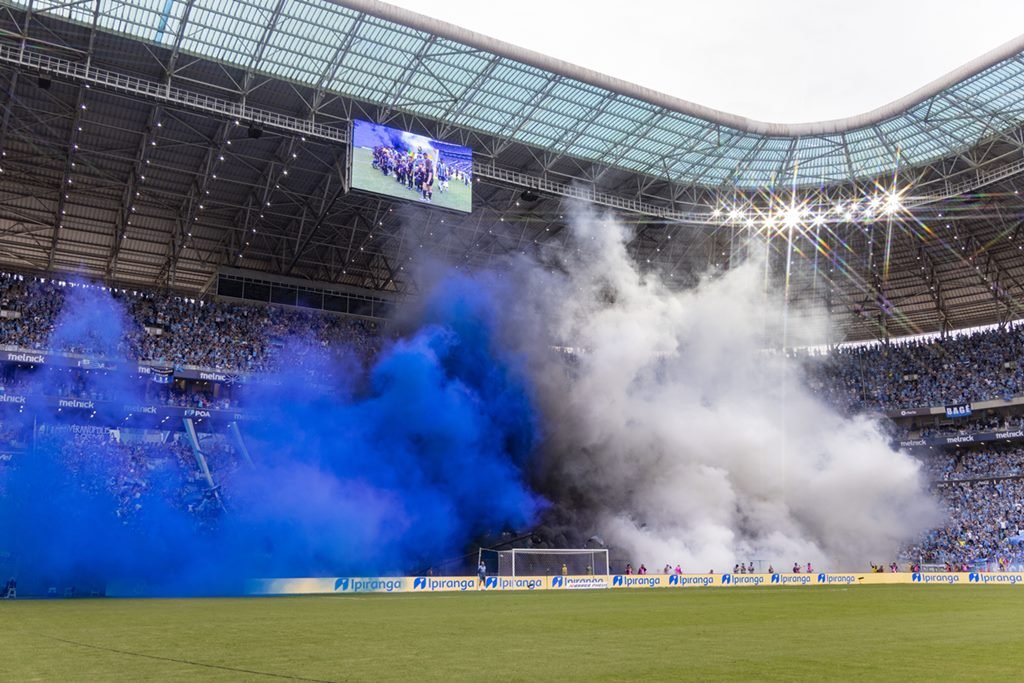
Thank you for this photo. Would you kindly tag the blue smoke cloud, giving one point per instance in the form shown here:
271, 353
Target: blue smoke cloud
354, 473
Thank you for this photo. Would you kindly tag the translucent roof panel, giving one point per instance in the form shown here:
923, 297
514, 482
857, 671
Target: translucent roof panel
394, 59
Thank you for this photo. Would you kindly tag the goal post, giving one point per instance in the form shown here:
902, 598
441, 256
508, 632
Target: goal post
545, 562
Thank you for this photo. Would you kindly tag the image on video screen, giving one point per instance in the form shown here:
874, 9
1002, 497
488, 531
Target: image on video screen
404, 165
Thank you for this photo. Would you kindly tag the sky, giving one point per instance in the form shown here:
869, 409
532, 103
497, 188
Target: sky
787, 61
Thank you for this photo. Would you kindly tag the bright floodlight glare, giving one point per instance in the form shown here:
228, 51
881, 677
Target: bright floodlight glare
819, 220
892, 203
736, 214
792, 217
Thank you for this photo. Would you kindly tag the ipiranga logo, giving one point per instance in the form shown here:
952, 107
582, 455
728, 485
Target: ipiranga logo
983, 578
842, 579
349, 585
790, 579
682, 580
742, 580
919, 577
631, 581
423, 583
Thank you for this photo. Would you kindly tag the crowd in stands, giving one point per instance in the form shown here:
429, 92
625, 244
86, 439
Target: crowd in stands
128, 471
983, 528
984, 423
229, 337
179, 331
959, 464
954, 370
86, 385
39, 303
126, 467
982, 488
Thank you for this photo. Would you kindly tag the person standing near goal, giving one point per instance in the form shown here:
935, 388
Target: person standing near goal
481, 573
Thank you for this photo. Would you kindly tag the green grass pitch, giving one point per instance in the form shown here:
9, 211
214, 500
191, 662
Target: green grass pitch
365, 177
861, 633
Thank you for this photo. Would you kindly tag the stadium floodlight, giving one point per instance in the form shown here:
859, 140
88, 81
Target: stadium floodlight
792, 217
893, 203
545, 561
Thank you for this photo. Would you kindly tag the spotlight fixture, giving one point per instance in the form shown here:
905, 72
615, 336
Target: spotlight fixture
255, 131
44, 83
529, 196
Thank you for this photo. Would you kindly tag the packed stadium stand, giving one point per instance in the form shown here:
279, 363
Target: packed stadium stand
177, 330
979, 485
979, 366
194, 163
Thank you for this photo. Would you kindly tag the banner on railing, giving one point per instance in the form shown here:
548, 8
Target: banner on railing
976, 437
105, 411
430, 584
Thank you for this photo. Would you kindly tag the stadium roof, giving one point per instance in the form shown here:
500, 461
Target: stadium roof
157, 143
378, 53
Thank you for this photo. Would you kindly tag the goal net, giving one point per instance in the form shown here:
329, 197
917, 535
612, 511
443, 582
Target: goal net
546, 562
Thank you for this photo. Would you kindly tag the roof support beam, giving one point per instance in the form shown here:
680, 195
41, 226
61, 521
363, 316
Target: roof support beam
193, 203
128, 198
5, 123
465, 100
139, 88
66, 179
332, 66
401, 83
261, 46
172, 61
335, 185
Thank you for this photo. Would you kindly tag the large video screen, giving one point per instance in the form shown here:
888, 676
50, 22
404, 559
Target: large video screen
404, 165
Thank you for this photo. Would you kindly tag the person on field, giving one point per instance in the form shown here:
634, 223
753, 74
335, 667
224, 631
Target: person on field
565, 570
481, 573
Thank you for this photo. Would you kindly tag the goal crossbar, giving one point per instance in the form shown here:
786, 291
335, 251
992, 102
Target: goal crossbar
545, 561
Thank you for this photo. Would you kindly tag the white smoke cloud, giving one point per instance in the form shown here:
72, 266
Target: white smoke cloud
680, 440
